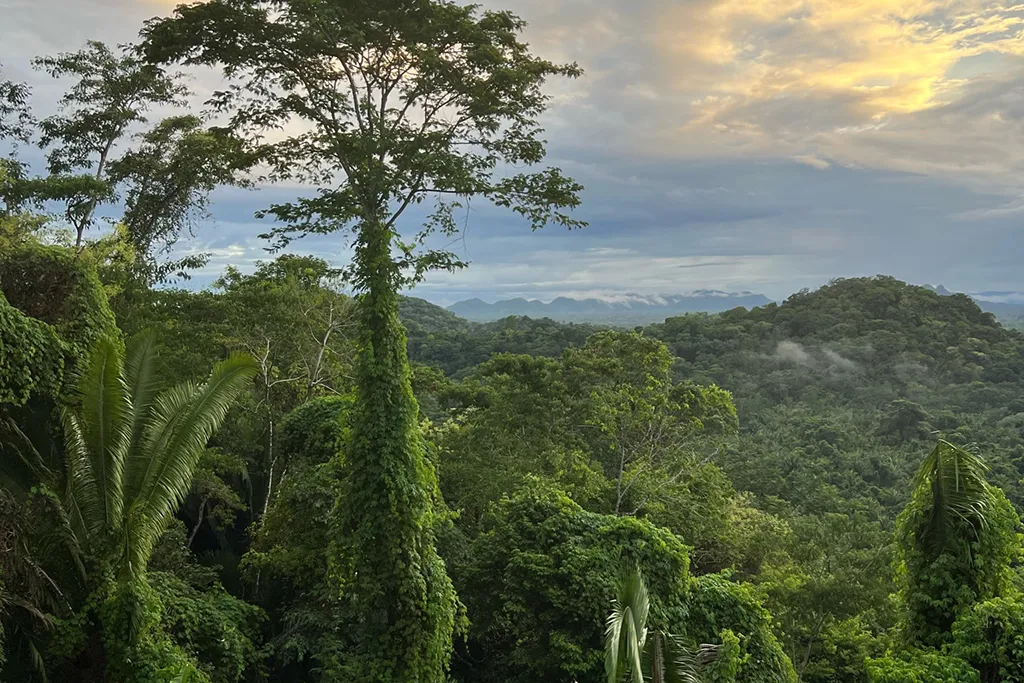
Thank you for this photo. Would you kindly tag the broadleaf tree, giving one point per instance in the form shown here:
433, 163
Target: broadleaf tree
111, 94
15, 116
101, 150
382, 105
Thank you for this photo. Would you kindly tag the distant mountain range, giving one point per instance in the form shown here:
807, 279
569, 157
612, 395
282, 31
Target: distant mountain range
621, 309
639, 309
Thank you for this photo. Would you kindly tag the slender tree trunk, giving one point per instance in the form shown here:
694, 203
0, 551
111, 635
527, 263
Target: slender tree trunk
86, 216
273, 463
810, 647
619, 493
199, 522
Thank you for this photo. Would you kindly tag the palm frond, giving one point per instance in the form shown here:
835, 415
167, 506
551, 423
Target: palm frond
141, 355
680, 663
38, 663
626, 630
182, 421
186, 674
82, 497
960, 500
140, 365
102, 431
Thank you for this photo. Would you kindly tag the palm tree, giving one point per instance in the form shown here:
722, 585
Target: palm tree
956, 540
634, 653
130, 452
132, 449
959, 495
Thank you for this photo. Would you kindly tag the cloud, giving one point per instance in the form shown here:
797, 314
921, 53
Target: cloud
813, 161
839, 361
734, 144
890, 84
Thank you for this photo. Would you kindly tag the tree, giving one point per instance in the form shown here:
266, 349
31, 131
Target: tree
15, 117
514, 419
407, 100
636, 653
286, 565
920, 666
537, 584
837, 571
52, 285
646, 431
102, 150
132, 450
167, 180
111, 94
292, 319
956, 539
990, 636
31, 357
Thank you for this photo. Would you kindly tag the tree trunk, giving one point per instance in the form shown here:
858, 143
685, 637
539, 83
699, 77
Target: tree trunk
86, 216
398, 590
273, 461
619, 493
199, 522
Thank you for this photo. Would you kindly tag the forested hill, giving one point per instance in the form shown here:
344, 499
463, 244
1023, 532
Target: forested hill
873, 320
440, 338
839, 392
851, 381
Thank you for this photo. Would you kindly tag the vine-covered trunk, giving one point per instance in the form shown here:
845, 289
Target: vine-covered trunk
401, 604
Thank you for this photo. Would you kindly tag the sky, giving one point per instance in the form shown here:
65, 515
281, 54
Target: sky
761, 145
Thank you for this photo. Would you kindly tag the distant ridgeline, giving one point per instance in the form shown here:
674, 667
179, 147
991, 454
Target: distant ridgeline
627, 309
636, 309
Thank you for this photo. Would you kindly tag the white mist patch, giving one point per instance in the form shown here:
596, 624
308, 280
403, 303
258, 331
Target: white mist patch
793, 353
839, 361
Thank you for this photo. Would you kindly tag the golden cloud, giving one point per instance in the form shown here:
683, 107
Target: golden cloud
884, 57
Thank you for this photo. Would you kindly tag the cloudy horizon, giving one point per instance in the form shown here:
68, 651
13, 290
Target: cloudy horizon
765, 146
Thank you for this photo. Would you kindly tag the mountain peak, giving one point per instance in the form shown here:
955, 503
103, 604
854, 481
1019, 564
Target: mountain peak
939, 289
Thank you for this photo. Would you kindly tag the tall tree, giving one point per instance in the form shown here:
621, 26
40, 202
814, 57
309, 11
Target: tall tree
382, 105
102, 149
111, 93
166, 180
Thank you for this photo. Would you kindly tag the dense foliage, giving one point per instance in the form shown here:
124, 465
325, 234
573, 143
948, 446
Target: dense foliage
560, 468
300, 474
